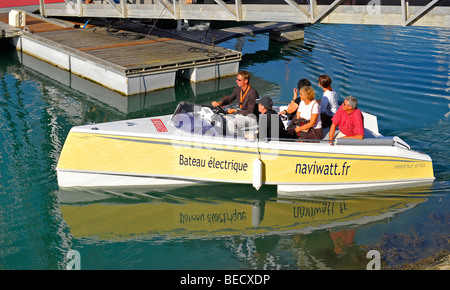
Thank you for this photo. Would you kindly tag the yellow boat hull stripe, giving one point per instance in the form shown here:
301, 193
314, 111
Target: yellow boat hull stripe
220, 162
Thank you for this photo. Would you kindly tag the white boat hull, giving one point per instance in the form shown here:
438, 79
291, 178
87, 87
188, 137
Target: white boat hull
287, 190
67, 179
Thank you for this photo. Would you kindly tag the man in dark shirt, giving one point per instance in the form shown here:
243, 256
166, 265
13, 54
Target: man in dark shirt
245, 94
270, 124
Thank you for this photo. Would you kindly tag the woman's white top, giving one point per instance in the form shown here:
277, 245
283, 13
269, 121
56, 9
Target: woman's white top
329, 103
312, 108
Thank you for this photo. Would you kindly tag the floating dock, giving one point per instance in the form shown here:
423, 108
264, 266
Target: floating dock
129, 64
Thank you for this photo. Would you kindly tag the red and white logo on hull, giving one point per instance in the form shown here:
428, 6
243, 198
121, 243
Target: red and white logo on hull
159, 125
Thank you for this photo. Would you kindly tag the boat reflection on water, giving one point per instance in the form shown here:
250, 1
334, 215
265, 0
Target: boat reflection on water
235, 213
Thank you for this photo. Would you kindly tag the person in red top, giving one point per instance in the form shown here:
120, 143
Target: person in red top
349, 119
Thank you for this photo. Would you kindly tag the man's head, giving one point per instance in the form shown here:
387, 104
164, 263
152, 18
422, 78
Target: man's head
264, 104
243, 78
303, 83
350, 104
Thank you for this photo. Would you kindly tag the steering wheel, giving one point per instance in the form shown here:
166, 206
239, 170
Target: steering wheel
219, 110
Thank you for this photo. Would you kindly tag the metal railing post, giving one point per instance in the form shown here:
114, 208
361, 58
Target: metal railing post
404, 5
238, 10
312, 10
42, 7
124, 8
80, 7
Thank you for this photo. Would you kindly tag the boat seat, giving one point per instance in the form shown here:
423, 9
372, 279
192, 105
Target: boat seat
326, 133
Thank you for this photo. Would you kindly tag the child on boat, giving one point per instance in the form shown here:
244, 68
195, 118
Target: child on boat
329, 104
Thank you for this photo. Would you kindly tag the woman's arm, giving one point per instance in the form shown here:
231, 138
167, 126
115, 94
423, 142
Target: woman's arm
293, 106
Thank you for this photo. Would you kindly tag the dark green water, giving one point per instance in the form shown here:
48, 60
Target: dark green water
400, 74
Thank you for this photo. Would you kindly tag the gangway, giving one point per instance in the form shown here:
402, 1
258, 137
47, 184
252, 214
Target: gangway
375, 12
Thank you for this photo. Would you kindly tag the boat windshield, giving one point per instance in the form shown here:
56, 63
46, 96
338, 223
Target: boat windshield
196, 119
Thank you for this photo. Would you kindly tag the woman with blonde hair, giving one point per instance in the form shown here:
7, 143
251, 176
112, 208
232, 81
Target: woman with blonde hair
309, 111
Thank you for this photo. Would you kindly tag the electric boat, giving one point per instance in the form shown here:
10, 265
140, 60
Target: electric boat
195, 145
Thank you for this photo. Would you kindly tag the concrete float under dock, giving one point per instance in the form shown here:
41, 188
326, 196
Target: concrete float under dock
128, 65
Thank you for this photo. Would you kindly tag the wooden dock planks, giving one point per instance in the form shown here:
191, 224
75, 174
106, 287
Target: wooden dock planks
123, 61
148, 53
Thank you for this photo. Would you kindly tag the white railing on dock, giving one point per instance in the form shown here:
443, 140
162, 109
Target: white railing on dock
396, 12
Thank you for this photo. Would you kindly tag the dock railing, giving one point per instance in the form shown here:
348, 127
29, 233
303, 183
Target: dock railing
378, 12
